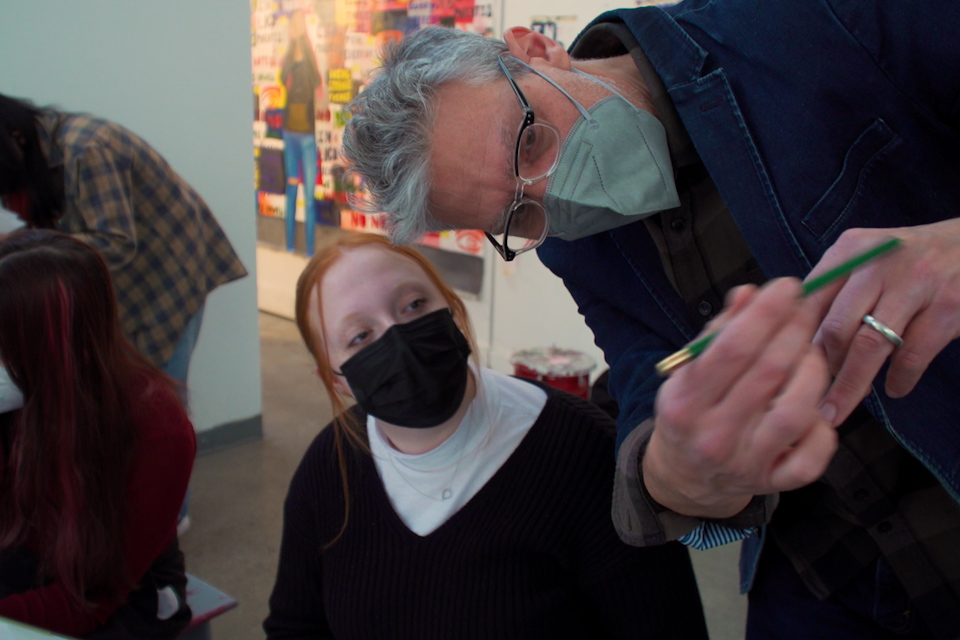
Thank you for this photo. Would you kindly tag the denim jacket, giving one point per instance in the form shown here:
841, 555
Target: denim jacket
812, 117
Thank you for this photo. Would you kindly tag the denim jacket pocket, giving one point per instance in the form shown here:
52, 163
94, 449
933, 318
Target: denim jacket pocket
826, 218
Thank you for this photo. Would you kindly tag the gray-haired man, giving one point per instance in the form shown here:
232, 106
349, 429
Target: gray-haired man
680, 153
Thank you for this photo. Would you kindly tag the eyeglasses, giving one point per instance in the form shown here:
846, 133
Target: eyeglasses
523, 224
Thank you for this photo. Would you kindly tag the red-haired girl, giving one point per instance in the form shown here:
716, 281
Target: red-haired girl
452, 501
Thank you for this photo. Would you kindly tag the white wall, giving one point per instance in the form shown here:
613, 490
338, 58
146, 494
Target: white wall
177, 72
531, 308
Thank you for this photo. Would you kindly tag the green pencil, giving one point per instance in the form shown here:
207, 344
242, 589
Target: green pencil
671, 363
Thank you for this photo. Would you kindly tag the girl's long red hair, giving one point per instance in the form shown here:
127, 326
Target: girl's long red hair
66, 455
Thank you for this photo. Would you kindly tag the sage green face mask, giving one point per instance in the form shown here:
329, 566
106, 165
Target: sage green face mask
614, 169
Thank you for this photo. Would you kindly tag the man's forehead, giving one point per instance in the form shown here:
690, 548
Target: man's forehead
468, 106
472, 144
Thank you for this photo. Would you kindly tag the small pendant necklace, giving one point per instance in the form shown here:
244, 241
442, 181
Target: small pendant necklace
447, 491
476, 415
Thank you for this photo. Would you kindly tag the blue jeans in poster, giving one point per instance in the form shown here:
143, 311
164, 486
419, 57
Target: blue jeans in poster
300, 159
875, 606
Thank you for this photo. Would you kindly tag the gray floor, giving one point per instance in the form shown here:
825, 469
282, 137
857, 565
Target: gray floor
237, 500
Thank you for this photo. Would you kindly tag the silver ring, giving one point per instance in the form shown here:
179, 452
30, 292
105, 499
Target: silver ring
884, 330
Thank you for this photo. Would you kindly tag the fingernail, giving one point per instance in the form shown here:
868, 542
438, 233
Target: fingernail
893, 393
799, 288
828, 412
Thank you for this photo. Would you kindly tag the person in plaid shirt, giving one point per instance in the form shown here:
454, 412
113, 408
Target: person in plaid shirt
99, 182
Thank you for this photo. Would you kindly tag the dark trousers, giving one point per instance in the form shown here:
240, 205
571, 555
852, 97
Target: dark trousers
874, 607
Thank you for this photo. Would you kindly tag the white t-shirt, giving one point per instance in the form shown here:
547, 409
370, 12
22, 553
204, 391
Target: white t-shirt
427, 489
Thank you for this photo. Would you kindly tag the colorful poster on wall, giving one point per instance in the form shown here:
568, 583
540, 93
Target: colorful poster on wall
310, 58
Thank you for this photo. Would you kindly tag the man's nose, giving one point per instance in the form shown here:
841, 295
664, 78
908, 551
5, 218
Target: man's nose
536, 191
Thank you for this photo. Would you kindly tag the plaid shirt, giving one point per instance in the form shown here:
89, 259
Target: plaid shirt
873, 500
165, 249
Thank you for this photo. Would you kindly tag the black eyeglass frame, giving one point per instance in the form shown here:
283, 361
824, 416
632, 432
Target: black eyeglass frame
529, 119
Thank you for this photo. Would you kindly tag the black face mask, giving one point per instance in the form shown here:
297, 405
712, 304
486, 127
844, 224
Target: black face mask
415, 374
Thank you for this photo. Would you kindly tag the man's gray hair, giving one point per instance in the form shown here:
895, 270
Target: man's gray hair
387, 139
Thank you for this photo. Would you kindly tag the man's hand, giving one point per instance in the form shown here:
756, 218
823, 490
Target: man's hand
743, 419
915, 291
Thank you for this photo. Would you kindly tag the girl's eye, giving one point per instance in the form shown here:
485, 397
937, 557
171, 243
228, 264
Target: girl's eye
358, 339
416, 304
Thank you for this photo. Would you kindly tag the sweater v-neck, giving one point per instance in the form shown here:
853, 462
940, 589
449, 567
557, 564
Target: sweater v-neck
495, 486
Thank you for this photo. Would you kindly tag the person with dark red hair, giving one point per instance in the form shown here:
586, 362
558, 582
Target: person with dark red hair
96, 452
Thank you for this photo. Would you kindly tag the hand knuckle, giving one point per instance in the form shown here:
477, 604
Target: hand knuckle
832, 331
784, 425
734, 354
946, 303
673, 412
773, 369
853, 238
869, 340
845, 387
910, 359
711, 451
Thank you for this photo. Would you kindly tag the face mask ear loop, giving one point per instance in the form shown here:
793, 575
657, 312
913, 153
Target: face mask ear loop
609, 88
586, 114
332, 370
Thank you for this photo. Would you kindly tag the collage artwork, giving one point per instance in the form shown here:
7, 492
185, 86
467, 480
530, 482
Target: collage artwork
309, 59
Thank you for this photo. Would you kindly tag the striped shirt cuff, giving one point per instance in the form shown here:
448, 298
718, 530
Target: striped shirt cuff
641, 521
710, 534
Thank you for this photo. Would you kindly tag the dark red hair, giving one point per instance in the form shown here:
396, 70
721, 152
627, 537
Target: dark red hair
66, 455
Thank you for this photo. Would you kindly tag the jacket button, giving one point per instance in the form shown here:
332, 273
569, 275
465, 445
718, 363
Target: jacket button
705, 308
677, 224
884, 527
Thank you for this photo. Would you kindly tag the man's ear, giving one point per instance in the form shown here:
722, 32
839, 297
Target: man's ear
525, 44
